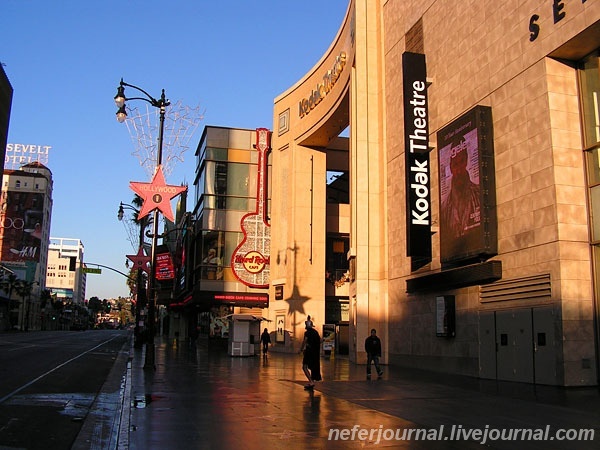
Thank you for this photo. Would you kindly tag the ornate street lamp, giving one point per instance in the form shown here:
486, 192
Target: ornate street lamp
162, 104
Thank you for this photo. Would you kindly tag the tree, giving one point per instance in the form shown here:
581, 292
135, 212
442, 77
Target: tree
45, 296
137, 277
8, 285
95, 305
24, 289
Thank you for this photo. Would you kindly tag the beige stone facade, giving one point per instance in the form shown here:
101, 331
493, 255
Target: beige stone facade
521, 60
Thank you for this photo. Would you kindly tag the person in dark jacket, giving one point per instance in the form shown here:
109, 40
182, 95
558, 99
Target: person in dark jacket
311, 361
265, 338
373, 349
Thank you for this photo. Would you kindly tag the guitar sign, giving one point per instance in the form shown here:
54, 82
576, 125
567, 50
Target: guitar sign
250, 261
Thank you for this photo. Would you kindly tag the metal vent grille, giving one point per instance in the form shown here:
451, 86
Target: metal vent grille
524, 288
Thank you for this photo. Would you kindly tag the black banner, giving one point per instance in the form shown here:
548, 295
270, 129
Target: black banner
416, 139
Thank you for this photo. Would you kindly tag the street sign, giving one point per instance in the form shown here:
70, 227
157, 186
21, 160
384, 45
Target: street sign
92, 270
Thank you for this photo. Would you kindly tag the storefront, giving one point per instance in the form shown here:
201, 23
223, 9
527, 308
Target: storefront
227, 261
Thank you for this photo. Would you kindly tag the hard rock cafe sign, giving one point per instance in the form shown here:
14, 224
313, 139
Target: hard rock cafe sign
250, 261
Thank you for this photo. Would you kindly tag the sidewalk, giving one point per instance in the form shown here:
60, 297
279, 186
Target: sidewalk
196, 399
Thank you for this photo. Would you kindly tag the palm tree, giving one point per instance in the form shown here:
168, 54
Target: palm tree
139, 287
24, 289
8, 284
45, 297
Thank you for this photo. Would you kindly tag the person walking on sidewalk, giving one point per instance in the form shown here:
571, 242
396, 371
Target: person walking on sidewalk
311, 361
308, 322
265, 338
373, 349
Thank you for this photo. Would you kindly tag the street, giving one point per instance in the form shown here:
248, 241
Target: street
62, 390
49, 382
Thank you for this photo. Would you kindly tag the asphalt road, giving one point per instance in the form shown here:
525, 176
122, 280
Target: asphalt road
48, 383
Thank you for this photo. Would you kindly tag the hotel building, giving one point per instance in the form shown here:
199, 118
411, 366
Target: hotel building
24, 235
65, 278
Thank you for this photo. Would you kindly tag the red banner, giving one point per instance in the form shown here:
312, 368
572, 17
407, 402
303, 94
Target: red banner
164, 267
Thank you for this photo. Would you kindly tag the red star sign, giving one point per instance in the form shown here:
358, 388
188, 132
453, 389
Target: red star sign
156, 194
140, 261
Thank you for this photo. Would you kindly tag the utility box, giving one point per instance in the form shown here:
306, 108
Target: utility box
244, 335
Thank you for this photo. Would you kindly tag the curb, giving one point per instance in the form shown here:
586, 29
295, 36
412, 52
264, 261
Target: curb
125, 416
106, 425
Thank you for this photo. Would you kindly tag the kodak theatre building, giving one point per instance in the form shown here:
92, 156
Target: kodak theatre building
436, 176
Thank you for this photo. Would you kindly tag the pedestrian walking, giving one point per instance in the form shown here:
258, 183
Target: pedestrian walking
308, 322
311, 361
265, 338
373, 349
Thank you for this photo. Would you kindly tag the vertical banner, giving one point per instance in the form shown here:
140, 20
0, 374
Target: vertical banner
165, 270
417, 172
468, 223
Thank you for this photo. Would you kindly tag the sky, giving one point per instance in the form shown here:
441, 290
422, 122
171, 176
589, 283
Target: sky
223, 61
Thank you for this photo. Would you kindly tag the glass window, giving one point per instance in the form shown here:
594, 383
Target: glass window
241, 184
200, 187
229, 185
214, 182
219, 154
337, 258
216, 250
596, 256
589, 81
212, 260
338, 187
593, 166
595, 212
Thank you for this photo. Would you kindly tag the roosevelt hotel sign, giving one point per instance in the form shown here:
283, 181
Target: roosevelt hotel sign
18, 155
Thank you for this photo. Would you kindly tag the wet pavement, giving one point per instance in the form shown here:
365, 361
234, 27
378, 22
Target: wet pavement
200, 399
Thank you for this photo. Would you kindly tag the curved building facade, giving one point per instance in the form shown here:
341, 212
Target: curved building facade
434, 176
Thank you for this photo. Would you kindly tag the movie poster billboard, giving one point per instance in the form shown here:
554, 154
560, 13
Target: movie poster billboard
468, 226
21, 221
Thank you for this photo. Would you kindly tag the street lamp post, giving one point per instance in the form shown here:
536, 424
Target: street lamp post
138, 338
161, 104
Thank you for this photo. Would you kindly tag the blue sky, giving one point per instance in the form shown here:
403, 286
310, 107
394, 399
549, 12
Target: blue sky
229, 58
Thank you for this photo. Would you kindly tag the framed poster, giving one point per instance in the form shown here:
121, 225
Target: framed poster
280, 330
445, 316
468, 225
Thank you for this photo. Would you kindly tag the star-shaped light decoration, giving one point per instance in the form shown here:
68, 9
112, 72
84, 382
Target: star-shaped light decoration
140, 261
157, 194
